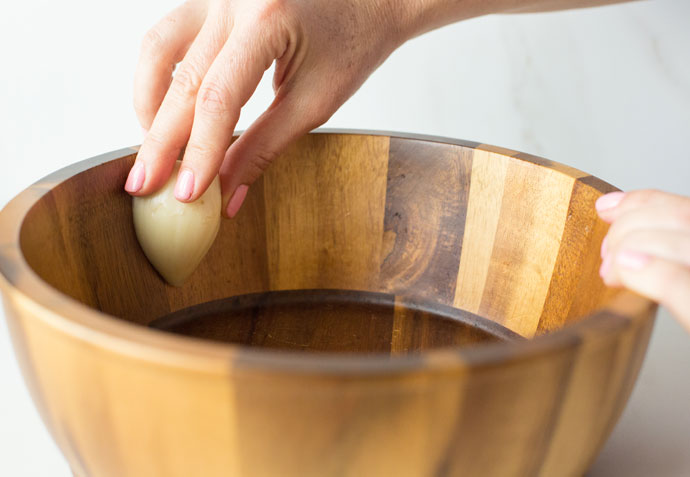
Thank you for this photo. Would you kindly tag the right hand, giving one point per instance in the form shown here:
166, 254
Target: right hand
323, 49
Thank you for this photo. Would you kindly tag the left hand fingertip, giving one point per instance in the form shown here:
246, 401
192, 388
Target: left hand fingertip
608, 202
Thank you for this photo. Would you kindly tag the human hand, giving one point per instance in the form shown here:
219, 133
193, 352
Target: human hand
647, 248
324, 50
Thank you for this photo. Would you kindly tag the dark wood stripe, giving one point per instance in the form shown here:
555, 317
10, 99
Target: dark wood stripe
426, 204
50, 256
598, 184
557, 166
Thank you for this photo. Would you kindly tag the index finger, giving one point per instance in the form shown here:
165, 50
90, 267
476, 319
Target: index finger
615, 204
163, 46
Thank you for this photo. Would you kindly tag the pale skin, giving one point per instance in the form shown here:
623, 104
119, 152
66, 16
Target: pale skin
323, 51
647, 248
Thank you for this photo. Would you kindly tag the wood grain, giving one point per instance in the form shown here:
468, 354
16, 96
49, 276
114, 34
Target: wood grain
426, 200
483, 212
530, 226
431, 245
338, 225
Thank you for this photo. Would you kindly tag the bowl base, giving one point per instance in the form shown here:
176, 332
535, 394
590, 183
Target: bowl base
334, 321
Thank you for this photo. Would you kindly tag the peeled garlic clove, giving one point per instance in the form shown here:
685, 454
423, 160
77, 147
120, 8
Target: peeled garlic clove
176, 236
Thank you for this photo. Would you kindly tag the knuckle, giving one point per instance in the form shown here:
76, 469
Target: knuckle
200, 150
153, 41
186, 82
213, 99
260, 163
155, 141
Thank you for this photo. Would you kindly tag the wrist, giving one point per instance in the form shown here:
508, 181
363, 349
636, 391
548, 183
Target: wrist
416, 17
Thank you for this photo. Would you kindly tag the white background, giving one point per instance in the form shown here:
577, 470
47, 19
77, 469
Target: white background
606, 90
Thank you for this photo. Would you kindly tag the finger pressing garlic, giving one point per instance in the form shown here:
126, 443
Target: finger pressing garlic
176, 236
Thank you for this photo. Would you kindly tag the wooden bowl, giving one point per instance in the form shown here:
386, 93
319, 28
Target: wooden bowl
381, 306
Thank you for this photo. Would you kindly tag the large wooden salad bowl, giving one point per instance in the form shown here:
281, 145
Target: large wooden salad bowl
526, 375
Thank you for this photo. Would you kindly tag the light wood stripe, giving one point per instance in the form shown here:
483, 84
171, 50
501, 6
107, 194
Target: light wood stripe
483, 212
533, 211
327, 201
553, 165
400, 335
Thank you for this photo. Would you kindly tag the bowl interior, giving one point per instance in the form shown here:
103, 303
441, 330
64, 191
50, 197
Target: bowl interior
349, 243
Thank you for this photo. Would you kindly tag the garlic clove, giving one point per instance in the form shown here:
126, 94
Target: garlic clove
176, 236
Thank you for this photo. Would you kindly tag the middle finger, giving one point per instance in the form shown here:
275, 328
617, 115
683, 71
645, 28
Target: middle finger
172, 125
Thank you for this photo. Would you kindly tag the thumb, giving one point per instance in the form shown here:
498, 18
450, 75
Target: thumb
290, 116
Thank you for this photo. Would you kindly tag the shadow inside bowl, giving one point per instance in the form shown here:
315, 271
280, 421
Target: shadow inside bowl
334, 321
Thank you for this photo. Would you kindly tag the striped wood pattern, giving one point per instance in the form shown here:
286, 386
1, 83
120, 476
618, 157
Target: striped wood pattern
511, 237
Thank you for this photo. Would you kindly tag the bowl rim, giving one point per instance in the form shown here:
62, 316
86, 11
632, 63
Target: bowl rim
21, 286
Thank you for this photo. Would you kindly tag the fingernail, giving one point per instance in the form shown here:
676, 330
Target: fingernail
632, 260
605, 267
236, 200
136, 178
184, 185
603, 246
609, 201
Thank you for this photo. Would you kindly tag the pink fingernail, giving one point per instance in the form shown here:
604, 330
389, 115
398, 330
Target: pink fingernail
136, 178
236, 200
603, 246
609, 201
605, 267
632, 260
184, 185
